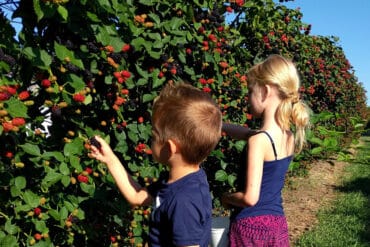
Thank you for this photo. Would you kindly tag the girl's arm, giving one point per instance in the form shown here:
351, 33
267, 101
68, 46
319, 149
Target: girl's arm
237, 132
250, 196
133, 192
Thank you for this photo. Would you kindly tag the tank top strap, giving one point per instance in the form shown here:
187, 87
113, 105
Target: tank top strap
272, 142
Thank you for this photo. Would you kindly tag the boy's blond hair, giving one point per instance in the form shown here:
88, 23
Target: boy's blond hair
190, 117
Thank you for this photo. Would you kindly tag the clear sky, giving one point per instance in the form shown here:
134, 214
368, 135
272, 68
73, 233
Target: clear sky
347, 20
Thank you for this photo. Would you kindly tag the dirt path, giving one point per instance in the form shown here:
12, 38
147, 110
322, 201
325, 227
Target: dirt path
304, 196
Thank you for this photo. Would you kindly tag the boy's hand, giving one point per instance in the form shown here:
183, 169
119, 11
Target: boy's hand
101, 151
94, 142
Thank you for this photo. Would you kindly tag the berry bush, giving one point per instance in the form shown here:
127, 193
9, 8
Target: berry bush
80, 68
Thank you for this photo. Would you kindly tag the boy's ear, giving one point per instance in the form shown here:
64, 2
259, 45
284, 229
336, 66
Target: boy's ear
174, 147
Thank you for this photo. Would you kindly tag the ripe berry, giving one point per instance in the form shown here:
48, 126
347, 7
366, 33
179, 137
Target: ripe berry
37, 236
46, 83
78, 97
126, 47
23, 95
18, 121
82, 179
37, 211
7, 126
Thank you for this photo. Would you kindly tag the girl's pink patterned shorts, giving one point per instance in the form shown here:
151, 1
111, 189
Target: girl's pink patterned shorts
258, 231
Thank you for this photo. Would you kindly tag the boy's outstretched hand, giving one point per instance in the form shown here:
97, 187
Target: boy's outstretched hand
100, 150
94, 142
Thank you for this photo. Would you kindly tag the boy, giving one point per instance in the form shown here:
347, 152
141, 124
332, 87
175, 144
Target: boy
186, 126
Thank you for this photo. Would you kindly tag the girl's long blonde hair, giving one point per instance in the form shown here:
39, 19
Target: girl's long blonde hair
281, 72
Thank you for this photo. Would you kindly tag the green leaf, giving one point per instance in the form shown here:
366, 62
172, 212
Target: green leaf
87, 188
316, 140
20, 182
133, 132
14, 191
54, 213
69, 206
88, 99
221, 176
16, 108
63, 168
9, 241
63, 54
11, 228
51, 178
147, 2
149, 97
66, 180
316, 150
31, 149
75, 163
37, 8
76, 82
63, 12
31, 199
23, 208
40, 226
231, 179
92, 16
57, 155
39, 58
74, 147
63, 213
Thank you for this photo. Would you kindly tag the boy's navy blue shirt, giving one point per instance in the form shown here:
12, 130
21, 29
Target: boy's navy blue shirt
182, 212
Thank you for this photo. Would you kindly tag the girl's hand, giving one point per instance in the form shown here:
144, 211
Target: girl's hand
225, 201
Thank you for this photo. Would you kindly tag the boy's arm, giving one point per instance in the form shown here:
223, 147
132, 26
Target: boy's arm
237, 131
133, 192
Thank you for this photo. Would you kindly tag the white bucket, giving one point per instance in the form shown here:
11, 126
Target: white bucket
219, 231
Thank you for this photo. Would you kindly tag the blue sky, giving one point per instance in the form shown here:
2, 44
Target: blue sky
347, 20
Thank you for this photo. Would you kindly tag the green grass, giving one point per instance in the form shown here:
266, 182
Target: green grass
347, 221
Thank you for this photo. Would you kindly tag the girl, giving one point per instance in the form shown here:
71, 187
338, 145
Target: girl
258, 217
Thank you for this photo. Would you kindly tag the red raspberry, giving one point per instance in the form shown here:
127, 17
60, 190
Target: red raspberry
203, 81
18, 121
126, 47
24, 95
124, 91
9, 154
89, 170
46, 83
140, 147
11, 90
78, 97
119, 101
125, 74
37, 236
37, 211
82, 179
117, 74
8, 126
4, 96
206, 89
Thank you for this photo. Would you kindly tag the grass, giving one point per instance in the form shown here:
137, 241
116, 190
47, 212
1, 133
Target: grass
347, 221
